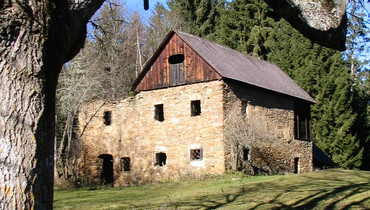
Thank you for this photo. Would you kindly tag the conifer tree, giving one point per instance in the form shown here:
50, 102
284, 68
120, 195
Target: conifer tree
323, 74
358, 61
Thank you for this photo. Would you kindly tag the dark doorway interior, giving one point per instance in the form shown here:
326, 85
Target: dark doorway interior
296, 165
106, 175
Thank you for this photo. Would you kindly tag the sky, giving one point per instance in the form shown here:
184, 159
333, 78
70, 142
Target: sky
139, 5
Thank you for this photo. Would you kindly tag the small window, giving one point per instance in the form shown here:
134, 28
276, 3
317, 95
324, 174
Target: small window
175, 59
195, 108
245, 154
244, 110
302, 121
196, 154
158, 112
160, 159
108, 117
125, 163
296, 165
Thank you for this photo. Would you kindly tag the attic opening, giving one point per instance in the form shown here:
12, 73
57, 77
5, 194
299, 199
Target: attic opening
160, 159
106, 176
175, 59
108, 117
195, 108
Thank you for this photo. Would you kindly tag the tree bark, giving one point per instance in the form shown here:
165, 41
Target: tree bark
323, 22
36, 39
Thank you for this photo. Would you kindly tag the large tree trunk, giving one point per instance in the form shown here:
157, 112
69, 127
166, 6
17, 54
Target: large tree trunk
36, 39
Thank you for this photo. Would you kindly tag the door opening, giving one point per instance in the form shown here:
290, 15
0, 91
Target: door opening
106, 176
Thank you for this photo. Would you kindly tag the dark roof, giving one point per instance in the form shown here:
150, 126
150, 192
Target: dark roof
232, 64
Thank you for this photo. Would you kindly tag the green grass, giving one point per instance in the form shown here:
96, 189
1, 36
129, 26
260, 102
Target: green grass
331, 189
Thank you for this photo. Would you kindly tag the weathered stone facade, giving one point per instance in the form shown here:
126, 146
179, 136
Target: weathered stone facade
134, 133
179, 123
274, 150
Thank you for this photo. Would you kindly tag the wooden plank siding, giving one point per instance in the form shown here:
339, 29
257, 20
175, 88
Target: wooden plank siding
162, 74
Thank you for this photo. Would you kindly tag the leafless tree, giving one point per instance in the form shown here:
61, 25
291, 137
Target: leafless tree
243, 130
78, 83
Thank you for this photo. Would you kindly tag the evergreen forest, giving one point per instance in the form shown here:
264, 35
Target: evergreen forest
120, 41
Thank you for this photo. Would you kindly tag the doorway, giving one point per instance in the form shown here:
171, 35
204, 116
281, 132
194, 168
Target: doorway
106, 176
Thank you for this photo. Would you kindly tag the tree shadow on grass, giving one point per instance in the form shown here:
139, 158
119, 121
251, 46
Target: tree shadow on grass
308, 193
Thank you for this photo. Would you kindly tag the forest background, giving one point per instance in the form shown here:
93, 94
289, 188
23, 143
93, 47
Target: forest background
121, 39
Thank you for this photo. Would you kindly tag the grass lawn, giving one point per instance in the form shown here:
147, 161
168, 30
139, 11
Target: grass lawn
328, 189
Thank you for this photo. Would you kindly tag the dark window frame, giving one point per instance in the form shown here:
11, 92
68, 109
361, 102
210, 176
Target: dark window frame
196, 154
107, 118
160, 159
195, 108
159, 112
126, 164
302, 121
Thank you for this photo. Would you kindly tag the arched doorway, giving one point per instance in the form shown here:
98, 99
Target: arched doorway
106, 176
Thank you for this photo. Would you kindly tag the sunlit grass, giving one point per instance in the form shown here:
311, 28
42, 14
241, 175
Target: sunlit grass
333, 189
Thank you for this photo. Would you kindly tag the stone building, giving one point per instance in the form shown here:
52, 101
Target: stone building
178, 123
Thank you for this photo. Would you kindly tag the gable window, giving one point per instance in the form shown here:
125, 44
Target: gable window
108, 117
160, 159
196, 154
195, 108
158, 112
125, 163
245, 153
302, 121
175, 59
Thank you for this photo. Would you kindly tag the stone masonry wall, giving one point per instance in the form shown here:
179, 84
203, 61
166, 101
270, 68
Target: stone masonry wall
134, 133
273, 149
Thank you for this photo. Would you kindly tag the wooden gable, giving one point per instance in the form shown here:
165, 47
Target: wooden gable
188, 67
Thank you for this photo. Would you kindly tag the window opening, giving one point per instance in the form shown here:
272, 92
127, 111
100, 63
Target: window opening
108, 117
158, 112
296, 165
160, 159
196, 154
125, 163
245, 153
244, 110
106, 175
302, 122
195, 108
175, 59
